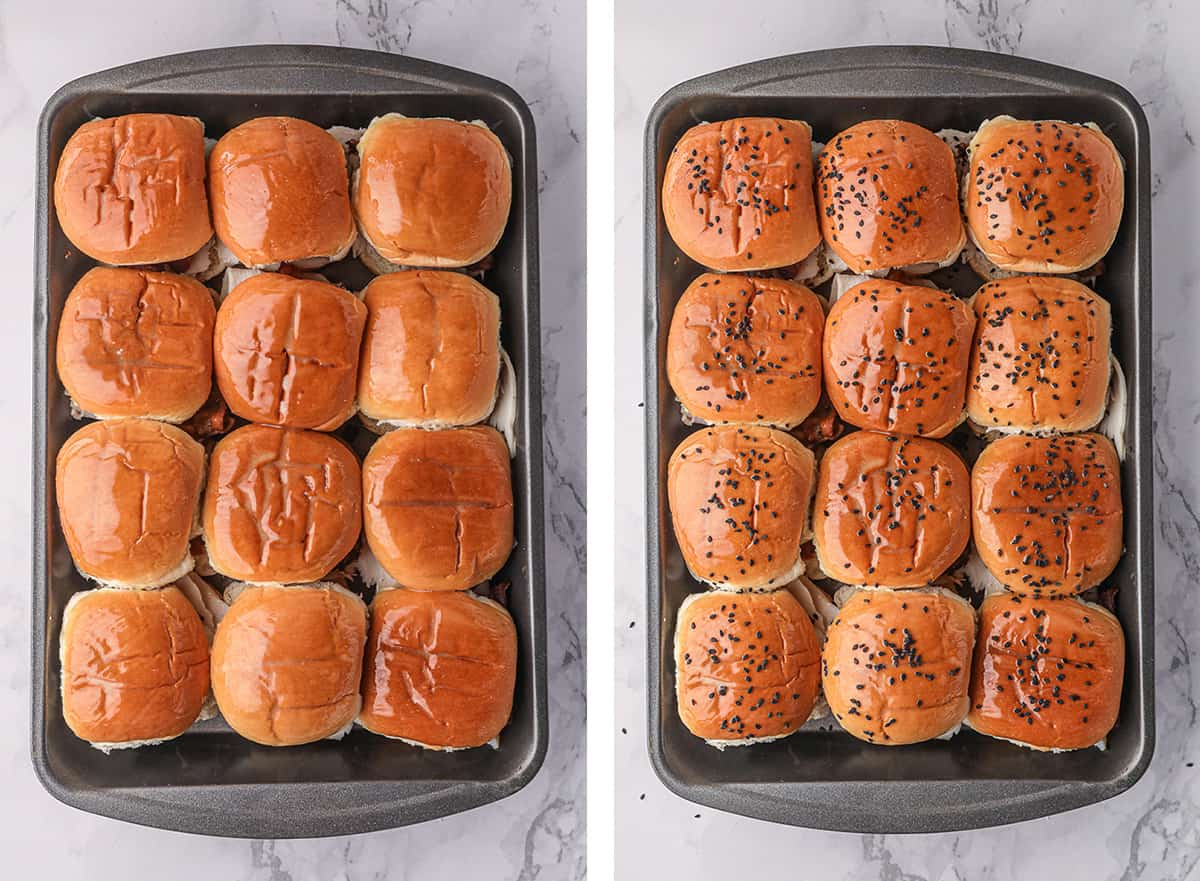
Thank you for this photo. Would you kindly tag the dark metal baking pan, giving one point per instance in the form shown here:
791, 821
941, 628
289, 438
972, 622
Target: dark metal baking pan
209, 780
829, 780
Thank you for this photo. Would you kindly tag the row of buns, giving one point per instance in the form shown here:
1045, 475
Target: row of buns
146, 189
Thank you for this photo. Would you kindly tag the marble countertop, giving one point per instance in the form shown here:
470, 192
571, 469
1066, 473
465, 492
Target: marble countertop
536, 47
1153, 830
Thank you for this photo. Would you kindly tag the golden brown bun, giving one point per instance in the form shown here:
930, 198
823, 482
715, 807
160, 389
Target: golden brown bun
286, 351
128, 491
1048, 673
897, 664
896, 357
738, 195
282, 505
130, 189
438, 506
287, 662
431, 353
134, 343
134, 665
890, 511
1047, 512
747, 666
1040, 358
887, 196
745, 349
440, 668
739, 497
280, 192
431, 192
1043, 196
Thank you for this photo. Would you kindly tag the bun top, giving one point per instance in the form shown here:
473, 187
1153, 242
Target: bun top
1040, 359
1043, 196
432, 192
1048, 673
890, 511
440, 668
134, 665
887, 196
282, 505
280, 192
130, 189
438, 506
739, 497
135, 343
738, 195
747, 666
1048, 516
431, 354
745, 349
287, 662
896, 357
127, 492
897, 664
287, 351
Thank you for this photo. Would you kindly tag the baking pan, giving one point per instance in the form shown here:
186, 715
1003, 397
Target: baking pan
210, 780
828, 780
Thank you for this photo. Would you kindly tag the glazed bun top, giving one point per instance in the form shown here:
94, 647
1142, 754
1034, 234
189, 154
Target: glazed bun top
896, 665
737, 195
432, 192
1040, 359
1047, 673
744, 349
887, 197
287, 351
280, 192
896, 357
129, 190
1047, 512
739, 498
890, 511
1043, 196
747, 666
137, 343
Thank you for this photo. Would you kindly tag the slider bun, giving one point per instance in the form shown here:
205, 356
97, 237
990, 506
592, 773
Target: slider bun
282, 505
128, 492
1040, 358
280, 192
431, 353
896, 357
130, 189
1048, 673
739, 498
746, 666
738, 195
134, 666
136, 343
890, 511
440, 668
287, 662
896, 665
286, 351
1043, 196
887, 197
745, 349
431, 192
438, 506
1047, 512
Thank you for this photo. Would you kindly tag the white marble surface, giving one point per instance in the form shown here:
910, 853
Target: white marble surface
1150, 832
537, 47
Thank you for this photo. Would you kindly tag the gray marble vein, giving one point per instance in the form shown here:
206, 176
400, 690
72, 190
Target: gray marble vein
1153, 830
537, 46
